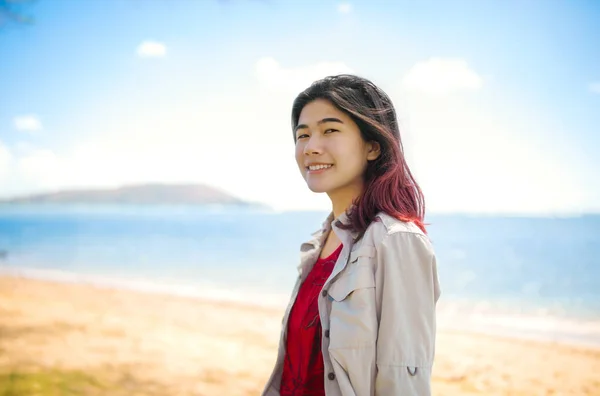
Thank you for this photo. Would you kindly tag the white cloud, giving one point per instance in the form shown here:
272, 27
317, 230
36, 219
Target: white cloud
42, 165
5, 159
345, 8
440, 76
468, 161
152, 49
28, 123
295, 79
595, 87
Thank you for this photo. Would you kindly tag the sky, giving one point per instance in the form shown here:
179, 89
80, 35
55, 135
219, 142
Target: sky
498, 101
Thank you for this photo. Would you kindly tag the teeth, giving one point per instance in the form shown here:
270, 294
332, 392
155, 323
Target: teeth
318, 167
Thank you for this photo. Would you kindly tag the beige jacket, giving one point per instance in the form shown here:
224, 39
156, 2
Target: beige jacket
377, 311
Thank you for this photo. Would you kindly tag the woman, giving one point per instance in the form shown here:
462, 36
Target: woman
361, 320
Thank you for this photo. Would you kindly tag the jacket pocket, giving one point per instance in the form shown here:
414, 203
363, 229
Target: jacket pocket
357, 274
358, 277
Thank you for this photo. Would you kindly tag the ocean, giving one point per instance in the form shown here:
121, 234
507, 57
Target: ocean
534, 277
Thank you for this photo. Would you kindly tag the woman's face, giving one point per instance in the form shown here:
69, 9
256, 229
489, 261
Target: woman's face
330, 151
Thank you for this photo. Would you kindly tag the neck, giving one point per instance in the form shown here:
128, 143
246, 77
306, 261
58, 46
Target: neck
342, 200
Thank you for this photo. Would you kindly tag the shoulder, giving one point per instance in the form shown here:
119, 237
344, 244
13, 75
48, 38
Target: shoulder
394, 241
386, 227
392, 225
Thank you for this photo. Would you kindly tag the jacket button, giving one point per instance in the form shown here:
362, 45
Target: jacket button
327, 333
331, 376
324, 293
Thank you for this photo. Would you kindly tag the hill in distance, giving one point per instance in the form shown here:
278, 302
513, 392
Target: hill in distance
138, 194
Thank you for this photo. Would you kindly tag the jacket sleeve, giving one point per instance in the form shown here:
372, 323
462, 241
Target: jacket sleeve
407, 291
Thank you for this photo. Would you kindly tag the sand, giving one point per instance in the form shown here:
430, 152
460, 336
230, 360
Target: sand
133, 343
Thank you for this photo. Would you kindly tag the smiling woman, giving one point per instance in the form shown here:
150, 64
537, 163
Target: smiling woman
361, 320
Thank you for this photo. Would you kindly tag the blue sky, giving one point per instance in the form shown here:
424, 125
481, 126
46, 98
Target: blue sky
499, 101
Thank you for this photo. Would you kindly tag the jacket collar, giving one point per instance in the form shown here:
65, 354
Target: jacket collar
310, 250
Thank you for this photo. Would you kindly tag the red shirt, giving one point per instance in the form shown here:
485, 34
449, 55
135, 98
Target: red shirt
303, 369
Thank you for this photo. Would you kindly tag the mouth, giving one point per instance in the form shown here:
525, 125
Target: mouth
318, 168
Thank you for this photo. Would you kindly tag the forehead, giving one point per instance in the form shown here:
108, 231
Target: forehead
319, 109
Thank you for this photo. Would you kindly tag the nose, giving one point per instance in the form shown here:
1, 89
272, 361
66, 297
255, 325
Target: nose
313, 146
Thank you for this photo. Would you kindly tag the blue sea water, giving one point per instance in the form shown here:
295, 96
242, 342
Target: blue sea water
536, 276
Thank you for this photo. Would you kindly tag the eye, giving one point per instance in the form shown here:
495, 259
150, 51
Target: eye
301, 136
331, 130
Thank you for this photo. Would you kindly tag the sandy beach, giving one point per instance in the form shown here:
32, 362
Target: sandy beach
79, 339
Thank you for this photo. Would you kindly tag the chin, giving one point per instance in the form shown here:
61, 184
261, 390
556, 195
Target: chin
317, 187
317, 190
320, 187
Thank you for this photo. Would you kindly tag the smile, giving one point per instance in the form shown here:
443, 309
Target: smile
317, 168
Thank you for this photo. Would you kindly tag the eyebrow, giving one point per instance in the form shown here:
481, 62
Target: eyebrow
324, 120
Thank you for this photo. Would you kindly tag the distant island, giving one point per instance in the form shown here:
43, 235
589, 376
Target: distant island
139, 194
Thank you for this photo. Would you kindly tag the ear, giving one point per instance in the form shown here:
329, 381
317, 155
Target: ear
373, 150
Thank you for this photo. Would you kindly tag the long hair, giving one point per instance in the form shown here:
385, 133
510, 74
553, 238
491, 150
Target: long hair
389, 185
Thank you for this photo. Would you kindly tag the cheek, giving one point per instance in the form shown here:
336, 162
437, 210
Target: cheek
352, 169
299, 156
355, 167
353, 160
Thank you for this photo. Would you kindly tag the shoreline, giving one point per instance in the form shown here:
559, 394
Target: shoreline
201, 292
518, 326
132, 342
